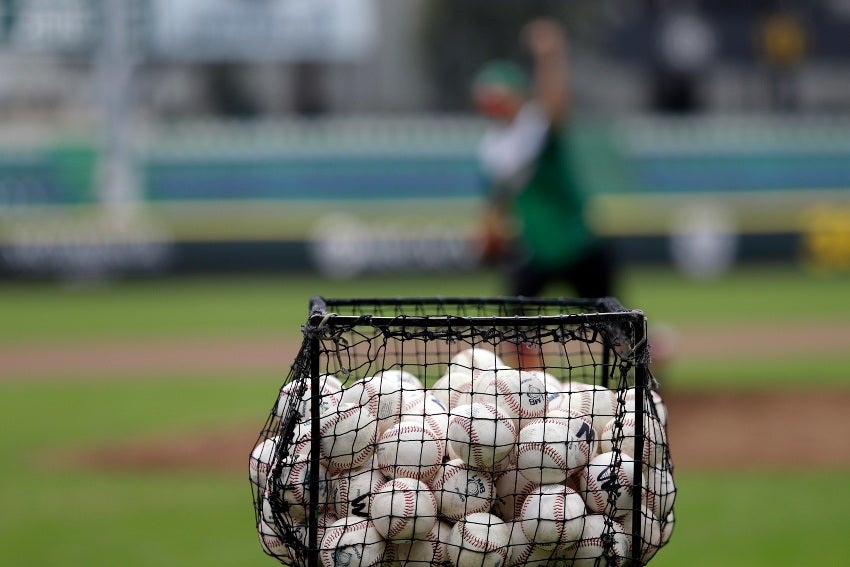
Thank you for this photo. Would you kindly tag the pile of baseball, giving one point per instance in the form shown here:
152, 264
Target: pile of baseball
490, 466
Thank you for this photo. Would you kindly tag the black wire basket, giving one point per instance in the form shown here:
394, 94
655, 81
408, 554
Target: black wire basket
466, 431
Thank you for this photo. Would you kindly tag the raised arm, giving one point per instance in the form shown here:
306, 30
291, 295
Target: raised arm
546, 41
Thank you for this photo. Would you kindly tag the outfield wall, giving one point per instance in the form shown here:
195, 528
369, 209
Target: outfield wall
365, 193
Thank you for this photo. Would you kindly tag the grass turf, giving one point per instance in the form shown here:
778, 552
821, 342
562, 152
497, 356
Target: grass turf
71, 517
230, 306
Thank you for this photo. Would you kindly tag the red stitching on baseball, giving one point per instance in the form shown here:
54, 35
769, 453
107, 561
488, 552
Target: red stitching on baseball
486, 544
400, 523
510, 397
548, 450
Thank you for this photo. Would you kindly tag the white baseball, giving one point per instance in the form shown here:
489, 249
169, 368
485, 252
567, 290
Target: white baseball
479, 540
351, 491
552, 516
481, 435
597, 402
361, 393
391, 386
553, 385
301, 533
570, 386
403, 509
603, 482
549, 450
589, 551
428, 411
650, 530
652, 400
476, 358
351, 542
465, 391
654, 438
660, 491
410, 450
403, 379
348, 437
271, 542
523, 552
448, 385
423, 552
460, 490
520, 394
260, 461
332, 381
381, 394
290, 400
292, 488
667, 528
511, 490
559, 402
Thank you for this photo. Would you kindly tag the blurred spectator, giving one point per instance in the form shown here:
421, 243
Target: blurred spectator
684, 46
781, 42
536, 222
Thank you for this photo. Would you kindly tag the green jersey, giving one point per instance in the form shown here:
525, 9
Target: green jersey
529, 168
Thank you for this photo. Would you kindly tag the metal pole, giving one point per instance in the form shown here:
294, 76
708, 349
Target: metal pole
315, 408
641, 358
117, 189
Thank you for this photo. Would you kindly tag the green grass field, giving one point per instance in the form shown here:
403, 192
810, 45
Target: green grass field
57, 515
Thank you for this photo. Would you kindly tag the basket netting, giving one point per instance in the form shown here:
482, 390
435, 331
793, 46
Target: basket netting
466, 432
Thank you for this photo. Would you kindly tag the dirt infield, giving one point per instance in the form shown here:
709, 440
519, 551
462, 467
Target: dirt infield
117, 359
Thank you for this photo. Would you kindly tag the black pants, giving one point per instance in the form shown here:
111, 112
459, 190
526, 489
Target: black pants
590, 275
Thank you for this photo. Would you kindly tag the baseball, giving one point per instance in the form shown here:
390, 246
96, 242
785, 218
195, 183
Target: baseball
348, 436
301, 533
476, 358
481, 435
271, 542
589, 550
549, 450
660, 491
571, 386
427, 411
403, 509
410, 450
479, 540
511, 490
650, 531
291, 399
351, 491
603, 483
460, 490
351, 542
391, 386
465, 391
397, 379
652, 401
381, 394
519, 394
292, 488
552, 516
654, 440
667, 528
599, 403
445, 389
522, 552
423, 552
260, 461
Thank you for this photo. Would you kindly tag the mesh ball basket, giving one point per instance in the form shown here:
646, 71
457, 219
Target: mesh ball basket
466, 432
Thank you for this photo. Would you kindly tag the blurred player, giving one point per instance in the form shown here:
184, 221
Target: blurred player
535, 221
